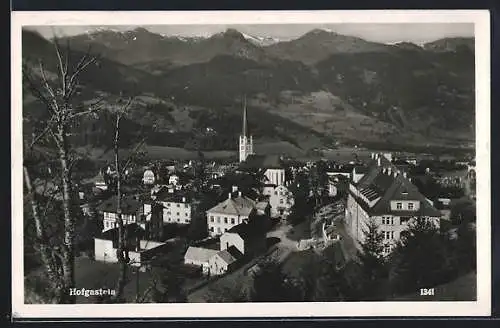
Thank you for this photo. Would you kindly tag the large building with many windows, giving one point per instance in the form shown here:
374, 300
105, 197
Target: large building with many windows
177, 208
229, 213
387, 197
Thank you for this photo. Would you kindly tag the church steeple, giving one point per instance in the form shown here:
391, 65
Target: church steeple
244, 130
246, 141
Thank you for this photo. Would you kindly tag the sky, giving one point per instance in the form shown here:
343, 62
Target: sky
377, 32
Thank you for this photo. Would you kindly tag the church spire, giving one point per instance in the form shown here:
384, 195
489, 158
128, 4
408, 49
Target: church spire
244, 116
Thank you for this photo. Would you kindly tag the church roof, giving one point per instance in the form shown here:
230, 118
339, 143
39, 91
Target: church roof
256, 162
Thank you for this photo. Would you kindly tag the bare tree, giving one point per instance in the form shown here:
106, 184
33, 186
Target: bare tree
57, 98
123, 247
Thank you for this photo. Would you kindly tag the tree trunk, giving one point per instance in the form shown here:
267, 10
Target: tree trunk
122, 238
68, 248
45, 249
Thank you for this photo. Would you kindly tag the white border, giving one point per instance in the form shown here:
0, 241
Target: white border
482, 307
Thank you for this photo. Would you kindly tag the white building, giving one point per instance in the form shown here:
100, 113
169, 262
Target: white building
131, 210
141, 250
229, 213
148, 177
176, 208
281, 200
385, 196
199, 256
173, 180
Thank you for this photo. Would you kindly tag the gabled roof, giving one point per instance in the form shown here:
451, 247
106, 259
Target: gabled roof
378, 183
230, 255
199, 254
132, 231
256, 162
128, 205
235, 206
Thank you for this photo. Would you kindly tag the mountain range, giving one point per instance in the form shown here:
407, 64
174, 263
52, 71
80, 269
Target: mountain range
320, 87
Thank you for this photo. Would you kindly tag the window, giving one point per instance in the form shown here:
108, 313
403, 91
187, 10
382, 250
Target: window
410, 206
225, 220
387, 248
275, 193
218, 219
186, 205
218, 230
178, 205
383, 220
399, 206
186, 214
392, 221
232, 220
168, 204
225, 229
178, 220
211, 219
281, 200
392, 234
212, 229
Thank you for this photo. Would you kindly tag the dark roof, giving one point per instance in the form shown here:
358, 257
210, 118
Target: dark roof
128, 205
255, 162
230, 255
249, 230
165, 196
379, 184
132, 231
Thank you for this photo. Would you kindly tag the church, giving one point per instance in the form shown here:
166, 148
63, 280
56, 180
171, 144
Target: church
269, 167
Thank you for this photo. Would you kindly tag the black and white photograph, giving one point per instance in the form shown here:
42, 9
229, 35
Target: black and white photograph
285, 164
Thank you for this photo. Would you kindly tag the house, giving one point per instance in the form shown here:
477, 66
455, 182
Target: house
386, 196
141, 250
249, 238
281, 200
199, 256
224, 261
131, 209
173, 180
177, 208
100, 182
148, 177
227, 214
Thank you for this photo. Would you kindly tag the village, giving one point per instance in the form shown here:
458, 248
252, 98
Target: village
215, 223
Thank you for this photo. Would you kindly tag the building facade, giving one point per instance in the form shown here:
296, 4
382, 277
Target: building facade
229, 213
131, 210
386, 197
281, 200
176, 208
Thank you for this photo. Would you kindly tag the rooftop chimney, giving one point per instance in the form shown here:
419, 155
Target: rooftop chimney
389, 171
373, 155
378, 161
234, 188
183, 199
239, 193
404, 175
229, 197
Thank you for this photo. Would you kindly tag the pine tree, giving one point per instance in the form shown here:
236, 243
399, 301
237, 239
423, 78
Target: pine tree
371, 261
421, 259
